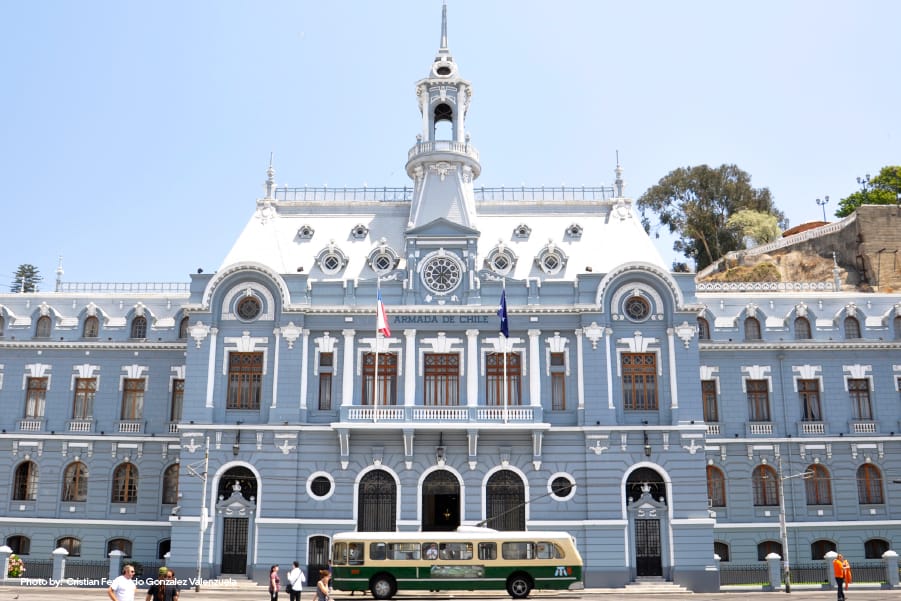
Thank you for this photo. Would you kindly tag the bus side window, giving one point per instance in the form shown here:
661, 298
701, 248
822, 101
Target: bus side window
377, 551
465, 550
430, 550
515, 550
487, 551
558, 552
545, 550
445, 551
355, 553
339, 554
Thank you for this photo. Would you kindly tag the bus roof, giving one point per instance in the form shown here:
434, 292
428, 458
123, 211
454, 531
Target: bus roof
467, 534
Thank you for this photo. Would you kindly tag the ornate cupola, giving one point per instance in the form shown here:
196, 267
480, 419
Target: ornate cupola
443, 164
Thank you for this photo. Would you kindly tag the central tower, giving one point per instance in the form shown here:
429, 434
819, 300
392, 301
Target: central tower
443, 164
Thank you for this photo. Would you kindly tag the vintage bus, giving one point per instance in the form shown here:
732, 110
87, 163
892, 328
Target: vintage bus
467, 559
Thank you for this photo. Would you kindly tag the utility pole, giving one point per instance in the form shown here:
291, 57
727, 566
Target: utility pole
203, 522
783, 529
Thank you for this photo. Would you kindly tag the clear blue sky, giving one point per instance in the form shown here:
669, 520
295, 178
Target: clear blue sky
136, 135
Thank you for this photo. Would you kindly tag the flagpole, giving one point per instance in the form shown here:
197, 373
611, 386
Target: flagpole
504, 342
378, 338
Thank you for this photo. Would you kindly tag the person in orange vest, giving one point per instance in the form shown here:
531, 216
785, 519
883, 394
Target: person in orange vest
838, 569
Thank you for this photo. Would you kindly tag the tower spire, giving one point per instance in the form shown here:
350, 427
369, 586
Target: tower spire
620, 184
443, 47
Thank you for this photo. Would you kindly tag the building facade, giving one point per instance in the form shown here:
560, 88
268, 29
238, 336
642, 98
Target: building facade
242, 419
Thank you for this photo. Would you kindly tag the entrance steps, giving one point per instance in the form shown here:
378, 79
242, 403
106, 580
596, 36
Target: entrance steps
654, 585
233, 582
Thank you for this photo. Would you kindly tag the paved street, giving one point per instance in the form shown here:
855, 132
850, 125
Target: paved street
46, 593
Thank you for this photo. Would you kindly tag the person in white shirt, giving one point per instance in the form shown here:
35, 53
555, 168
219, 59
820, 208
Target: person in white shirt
123, 587
295, 582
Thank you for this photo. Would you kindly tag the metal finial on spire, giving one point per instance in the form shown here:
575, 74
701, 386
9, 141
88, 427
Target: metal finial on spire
59, 274
270, 178
620, 184
444, 26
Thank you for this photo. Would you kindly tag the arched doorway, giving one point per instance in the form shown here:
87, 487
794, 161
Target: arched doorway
317, 558
377, 503
440, 501
236, 507
505, 501
646, 503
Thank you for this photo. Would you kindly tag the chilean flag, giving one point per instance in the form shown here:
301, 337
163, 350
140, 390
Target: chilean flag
381, 318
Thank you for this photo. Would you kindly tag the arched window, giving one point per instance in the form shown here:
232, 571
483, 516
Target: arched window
238, 479
125, 484
765, 485
163, 547
874, 548
703, 329
21, 545
645, 477
91, 327
170, 485
767, 547
42, 329
75, 482
802, 328
869, 485
819, 491
377, 502
819, 548
25, 485
183, 327
2, 325
852, 328
721, 549
139, 327
752, 328
716, 487
897, 322
70, 544
119, 544
505, 499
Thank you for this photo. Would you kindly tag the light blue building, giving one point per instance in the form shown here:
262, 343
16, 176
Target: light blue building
243, 419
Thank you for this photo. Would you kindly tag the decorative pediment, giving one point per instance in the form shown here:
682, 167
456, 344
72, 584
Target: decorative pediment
442, 227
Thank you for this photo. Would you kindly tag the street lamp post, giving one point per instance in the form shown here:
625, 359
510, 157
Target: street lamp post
822, 204
783, 529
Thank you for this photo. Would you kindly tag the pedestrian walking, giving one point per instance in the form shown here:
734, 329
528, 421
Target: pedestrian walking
123, 587
838, 570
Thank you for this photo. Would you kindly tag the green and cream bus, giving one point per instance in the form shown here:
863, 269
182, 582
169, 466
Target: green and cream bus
467, 559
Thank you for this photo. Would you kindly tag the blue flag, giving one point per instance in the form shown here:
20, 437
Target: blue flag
502, 313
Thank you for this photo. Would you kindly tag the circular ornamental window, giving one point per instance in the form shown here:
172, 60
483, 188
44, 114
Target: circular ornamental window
637, 308
248, 308
441, 275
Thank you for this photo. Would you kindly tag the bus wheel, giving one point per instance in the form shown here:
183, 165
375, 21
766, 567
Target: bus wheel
382, 586
519, 585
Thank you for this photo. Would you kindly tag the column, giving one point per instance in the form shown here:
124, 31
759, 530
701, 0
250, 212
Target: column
211, 368
278, 339
472, 368
670, 339
410, 368
607, 348
347, 382
534, 369
304, 366
580, 378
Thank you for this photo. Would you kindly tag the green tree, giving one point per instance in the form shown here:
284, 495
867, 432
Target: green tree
26, 279
884, 189
756, 226
695, 203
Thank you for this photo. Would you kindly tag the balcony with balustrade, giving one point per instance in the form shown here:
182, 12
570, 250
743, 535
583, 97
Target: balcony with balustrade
418, 414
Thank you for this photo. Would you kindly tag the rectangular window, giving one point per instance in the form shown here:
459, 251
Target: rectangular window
494, 383
859, 389
558, 382
133, 398
35, 398
810, 400
758, 400
326, 369
245, 380
387, 378
178, 400
708, 395
83, 403
639, 381
442, 379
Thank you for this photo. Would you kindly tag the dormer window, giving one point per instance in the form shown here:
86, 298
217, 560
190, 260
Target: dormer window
574, 231
551, 259
359, 232
305, 232
382, 259
331, 260
522, 231
500, 260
